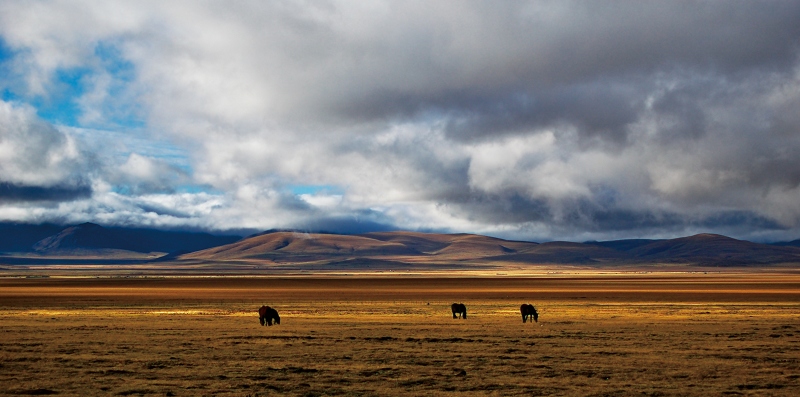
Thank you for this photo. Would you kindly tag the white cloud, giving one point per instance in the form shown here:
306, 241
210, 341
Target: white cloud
322, 201
33, 153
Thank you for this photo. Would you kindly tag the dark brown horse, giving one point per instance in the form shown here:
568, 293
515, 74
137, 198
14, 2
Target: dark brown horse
529, 312
460, 309
267, 314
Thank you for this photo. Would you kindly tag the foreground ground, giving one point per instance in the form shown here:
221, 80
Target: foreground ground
598, 335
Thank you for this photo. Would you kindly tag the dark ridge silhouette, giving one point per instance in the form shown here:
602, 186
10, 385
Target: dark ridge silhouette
88, 237
109, 257
714, 250
793, 243
20, 237
173, 241
622, 245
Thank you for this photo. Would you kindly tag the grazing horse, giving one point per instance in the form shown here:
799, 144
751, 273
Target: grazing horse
528, 311
460, 309
267, 314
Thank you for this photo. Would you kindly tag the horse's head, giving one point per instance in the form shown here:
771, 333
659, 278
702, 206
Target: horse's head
535, 315
277, 318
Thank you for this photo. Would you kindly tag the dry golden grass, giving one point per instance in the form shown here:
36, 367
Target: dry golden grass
614, 336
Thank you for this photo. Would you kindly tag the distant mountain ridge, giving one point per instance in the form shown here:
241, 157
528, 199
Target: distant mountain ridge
317, 246
431, 248
793, 243
87, 238
20, 237
386, 250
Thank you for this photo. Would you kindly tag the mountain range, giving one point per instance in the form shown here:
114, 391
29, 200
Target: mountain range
89, 239
379, 250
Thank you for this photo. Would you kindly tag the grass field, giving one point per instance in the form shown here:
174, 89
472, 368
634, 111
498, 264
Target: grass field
597, 335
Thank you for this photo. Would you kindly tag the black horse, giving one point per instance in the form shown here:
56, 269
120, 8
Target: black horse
267, 314
528, 311
460, 309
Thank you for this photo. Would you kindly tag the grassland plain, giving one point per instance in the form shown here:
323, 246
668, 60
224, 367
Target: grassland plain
620, 335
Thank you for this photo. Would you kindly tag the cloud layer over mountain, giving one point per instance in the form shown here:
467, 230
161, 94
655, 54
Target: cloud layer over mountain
531, 120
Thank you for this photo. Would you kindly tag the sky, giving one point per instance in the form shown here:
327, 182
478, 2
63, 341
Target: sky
538, 121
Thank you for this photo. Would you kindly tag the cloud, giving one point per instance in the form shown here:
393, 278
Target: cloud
570, 120
142, 174
37, 161
11, 192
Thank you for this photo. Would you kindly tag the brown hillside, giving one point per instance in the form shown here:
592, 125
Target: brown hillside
420, 249
291, 243
714, 249
425, 243
469, 246
561, 252
397, 244
454, 245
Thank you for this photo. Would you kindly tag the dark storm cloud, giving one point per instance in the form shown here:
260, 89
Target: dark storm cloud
290, 202
587, 216
741, 220
15, 193
593, 109
590, 64
362, 223
626, 220
506, 208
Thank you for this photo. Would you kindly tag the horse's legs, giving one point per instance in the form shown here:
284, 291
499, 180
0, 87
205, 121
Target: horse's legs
261, 320
454, 315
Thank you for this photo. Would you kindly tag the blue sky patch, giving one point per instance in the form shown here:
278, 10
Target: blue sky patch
119, 108
315, 189
195, 189
61, 107
6, 52
122, 109
6, 55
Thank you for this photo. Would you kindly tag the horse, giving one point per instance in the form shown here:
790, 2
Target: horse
267, 314
528, 311
460, 309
